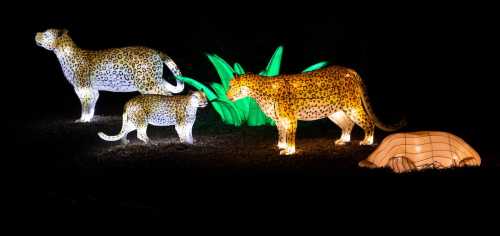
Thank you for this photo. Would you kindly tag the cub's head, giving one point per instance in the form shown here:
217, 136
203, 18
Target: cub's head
240, 87
199, 98
51, 38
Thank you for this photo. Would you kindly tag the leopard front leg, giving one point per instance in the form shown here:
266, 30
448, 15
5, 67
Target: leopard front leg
142, 133
281, 136
88, 98
184, 131
288, 129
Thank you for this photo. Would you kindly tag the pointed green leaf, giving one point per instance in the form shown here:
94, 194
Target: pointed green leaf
238, 69
224, 70
235, 113
316, 66
225, 108
198, 85
273, 67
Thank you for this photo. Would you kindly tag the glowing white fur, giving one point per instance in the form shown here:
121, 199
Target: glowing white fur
116, 70
160, 110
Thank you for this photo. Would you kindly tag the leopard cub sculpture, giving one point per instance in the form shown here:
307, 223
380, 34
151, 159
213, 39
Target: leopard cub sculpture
125, 69
335, 92
160, 110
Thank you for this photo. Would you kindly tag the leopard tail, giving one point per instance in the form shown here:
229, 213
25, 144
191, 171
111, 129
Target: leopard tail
175, 70
378, 123
120, 135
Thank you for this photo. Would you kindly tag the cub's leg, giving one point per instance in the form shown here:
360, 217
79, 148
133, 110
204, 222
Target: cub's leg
184, 131
289, 127
189, 132
88, 98
127, 127
363, 120
142, 134
346, 124
179, 128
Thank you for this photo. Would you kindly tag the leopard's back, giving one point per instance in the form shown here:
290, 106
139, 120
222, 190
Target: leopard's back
320, 93
116, 69
157, 110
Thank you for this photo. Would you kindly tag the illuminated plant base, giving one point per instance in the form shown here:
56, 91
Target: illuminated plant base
404, 152
334, 92
116, 70
160, 110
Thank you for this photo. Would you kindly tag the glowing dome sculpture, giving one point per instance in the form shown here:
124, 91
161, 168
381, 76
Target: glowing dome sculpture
404, 152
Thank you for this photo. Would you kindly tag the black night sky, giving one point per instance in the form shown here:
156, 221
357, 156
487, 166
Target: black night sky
428, 63
415, 60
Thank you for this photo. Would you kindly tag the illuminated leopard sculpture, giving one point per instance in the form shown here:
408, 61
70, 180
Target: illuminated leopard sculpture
159, 110
335, 92
125, 69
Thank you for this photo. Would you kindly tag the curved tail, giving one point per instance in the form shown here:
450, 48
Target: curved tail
378, 123
120, 135
175, 70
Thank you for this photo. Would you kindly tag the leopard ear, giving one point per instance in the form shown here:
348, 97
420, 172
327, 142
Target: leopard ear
62, 32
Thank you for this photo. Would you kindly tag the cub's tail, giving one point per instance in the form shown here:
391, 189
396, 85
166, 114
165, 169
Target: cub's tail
175, 70
124, 131
378, 123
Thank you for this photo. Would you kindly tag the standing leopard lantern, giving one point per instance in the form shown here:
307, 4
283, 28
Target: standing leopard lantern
125, 69
404, 152
335, 92
159, 110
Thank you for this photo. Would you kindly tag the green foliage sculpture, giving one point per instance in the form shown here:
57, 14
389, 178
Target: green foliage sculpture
243, 111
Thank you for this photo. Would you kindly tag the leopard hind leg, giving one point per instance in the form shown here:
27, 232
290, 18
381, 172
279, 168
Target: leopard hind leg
345, 123
359, 116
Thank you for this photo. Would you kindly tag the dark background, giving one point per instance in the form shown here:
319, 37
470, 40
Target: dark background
430, 63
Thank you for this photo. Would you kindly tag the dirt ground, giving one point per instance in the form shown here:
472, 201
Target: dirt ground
76, 169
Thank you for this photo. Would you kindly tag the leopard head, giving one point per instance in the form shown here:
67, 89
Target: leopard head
240, 87
199, 98
52, 38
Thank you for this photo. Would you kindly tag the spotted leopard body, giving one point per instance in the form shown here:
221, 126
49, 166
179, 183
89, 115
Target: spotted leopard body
160, 110
125, 69
335, 92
